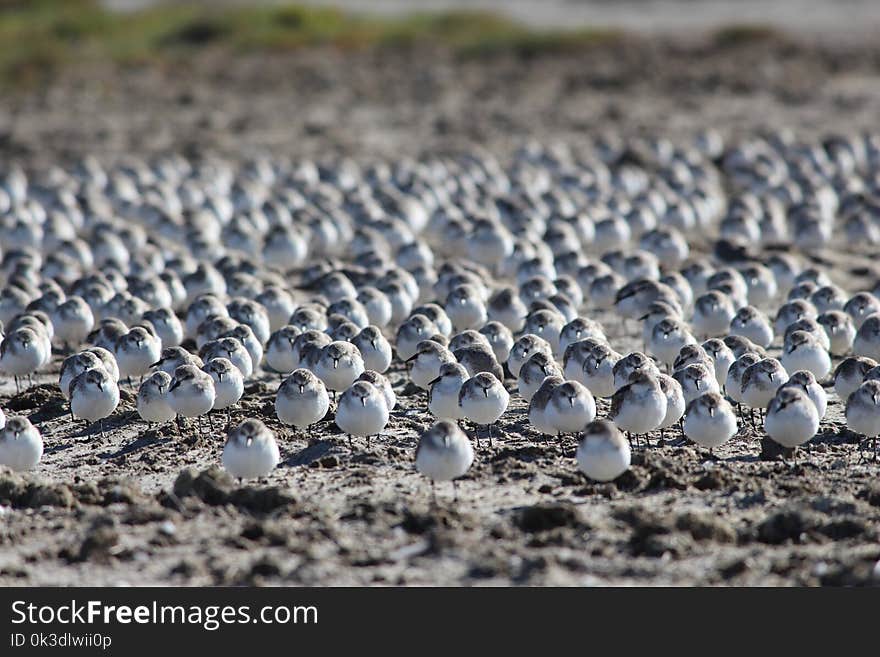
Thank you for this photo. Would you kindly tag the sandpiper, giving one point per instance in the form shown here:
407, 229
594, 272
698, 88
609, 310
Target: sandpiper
571, 407
710, 420
21, 445
191, 393
850, 373
602, 453
639, 407
523, 349
302, 399
444, 453
792, 418
250, 451
802, 351
362, 410
863, 411
533, 373
152, 398
483, 400
696, 379
94, 395
539, 403
443, 392
806, 381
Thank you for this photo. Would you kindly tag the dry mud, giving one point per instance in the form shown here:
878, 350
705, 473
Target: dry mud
144, 505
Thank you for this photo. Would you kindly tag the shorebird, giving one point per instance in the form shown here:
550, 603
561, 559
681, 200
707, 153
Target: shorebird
444, 453
362, 411
21, 445
250, 451
302, 399
603, 454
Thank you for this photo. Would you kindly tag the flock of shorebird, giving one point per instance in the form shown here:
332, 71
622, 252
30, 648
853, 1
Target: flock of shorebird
485, 278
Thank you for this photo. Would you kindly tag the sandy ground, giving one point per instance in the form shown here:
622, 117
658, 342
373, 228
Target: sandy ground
143, 505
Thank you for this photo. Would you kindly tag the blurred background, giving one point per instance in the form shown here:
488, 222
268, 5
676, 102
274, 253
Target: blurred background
378, 76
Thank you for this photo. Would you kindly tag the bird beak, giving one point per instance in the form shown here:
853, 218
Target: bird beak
712, 411
302, 388
411, 358
486, 392
364, 402
335, 363
249, 441
433, 381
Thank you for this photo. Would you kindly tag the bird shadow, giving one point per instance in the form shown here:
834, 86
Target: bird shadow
61, 447
309, 454
144, 440
107, 424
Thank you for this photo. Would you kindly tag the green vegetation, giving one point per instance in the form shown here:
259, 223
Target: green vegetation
745, 33
40, 37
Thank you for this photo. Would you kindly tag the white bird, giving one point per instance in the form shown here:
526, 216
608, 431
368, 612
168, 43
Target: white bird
603, 454
382, 384
228, 382
709, 420
483, 399
863, 411
638, 407
425, 364
571, 407
444, 453
792, 418
806, 381
675, 402
302, 399
191, 393
523, 349
339, 365
803, 352
250, 451
152, 398
443, 392
21, 445
850, 374
22, 353
362, 410
136, 351
94, 395
374, 347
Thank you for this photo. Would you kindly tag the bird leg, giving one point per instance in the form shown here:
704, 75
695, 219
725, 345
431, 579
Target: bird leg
454, 490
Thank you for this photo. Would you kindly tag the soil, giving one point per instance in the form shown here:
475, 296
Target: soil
129, 503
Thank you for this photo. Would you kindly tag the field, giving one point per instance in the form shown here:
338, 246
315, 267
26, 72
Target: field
145, 505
